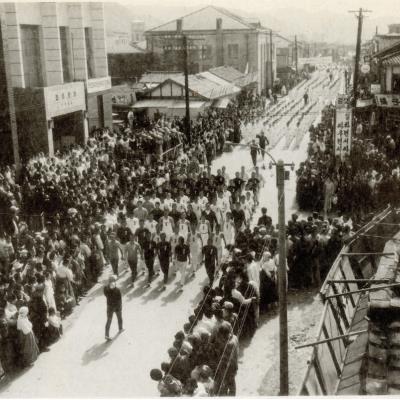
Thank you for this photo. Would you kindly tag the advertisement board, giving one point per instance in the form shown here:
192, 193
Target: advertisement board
388, 100
343, 132
98, 84
64, 99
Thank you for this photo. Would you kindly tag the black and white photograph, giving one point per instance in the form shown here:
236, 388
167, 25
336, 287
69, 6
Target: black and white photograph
199, 198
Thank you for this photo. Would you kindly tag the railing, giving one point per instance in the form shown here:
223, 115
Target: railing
357, 260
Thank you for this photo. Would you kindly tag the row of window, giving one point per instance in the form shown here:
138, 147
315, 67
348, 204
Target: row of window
204, 52
32, 54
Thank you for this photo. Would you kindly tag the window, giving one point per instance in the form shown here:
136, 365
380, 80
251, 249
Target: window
206, 52
89, 53
31, 60
233, 50
65, 54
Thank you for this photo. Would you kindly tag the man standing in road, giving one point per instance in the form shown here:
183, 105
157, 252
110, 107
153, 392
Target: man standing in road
133, 250
182, 254
210, 255
114, 305
254, 149
262, 142
164, 255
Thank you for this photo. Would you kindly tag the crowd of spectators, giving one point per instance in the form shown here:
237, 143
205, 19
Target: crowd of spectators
60, 213
363, 182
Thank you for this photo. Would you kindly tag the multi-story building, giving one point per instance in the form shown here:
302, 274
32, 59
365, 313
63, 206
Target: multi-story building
216, 37
58, 71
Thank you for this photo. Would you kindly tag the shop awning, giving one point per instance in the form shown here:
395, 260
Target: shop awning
221, 103
394, 60
192, 104
154, 103
170, 103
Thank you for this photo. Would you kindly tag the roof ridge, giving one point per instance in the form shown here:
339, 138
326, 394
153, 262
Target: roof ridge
184, 16
221, 10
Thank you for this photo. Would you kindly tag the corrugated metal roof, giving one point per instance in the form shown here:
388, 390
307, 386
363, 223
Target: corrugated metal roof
206, 88
227, 73
394, 60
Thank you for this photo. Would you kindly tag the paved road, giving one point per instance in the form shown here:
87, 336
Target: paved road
82, 364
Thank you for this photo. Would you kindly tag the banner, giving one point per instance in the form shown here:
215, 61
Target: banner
343, 132
364, 103
375, 88
388, 100
342, 101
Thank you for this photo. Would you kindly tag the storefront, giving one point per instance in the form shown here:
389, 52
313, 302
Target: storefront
99, 102
65, 115
50, 117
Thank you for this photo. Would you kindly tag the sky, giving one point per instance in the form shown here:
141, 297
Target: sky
319, 20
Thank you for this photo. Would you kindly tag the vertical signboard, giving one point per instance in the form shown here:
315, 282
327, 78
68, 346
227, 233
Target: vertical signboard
343, 132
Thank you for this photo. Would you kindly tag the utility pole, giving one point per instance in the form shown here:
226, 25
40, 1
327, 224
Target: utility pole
296, 60
283, 326
360, 18
271, 55
187, 104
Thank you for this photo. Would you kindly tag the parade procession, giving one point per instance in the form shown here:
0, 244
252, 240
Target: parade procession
201, 205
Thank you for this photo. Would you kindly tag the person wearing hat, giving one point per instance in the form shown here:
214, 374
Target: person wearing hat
114, 305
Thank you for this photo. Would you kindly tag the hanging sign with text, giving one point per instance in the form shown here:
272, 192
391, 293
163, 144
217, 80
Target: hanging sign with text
343, 132
388, 100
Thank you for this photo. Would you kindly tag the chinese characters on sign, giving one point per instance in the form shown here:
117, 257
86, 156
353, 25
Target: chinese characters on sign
64, 99
342, 101
343, 132
387, 100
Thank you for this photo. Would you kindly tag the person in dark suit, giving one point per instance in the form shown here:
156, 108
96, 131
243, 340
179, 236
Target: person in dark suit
114, 305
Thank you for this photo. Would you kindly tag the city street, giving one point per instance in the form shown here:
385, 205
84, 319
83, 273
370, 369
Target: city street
82, 364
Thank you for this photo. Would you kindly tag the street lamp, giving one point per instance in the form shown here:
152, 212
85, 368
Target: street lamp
281, 176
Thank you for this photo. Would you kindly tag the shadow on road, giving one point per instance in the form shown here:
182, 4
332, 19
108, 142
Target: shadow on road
97, 351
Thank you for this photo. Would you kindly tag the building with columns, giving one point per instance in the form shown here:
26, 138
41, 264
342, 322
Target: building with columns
58, 71
216, 37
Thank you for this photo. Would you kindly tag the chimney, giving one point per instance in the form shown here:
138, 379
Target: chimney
219, 36
179, 25
376, 30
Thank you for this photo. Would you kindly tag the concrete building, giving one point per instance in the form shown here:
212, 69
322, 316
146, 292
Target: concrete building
216, 37
58, 72
381, 41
